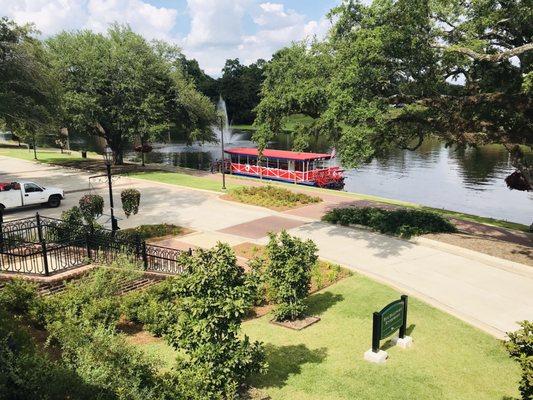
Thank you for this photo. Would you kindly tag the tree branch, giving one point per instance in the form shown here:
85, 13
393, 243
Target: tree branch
491, 57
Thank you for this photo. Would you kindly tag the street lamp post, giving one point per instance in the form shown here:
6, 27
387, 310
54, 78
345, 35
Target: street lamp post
222, 144
108, 159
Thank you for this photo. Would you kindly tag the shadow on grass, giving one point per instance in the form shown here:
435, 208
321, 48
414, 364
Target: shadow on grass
285, 361
321, 302
388, 344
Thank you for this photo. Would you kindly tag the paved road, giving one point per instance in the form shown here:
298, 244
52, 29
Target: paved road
489, 293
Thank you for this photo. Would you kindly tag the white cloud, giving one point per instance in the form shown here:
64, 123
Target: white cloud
150, 21
219, 29
48, 16
53, 16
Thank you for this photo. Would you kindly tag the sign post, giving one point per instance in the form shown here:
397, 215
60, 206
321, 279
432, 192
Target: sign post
392, 318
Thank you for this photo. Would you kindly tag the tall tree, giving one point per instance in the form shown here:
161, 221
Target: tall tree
401, 70
240, 86
122, 88
29, 95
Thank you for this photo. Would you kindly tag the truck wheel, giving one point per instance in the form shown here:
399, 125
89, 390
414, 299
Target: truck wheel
54, 201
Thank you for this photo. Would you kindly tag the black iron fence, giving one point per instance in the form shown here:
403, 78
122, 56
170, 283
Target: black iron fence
44, 246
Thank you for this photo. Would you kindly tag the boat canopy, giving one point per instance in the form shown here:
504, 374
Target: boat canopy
279, 154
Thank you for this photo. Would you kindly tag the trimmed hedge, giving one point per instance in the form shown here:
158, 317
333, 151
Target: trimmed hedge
402, 222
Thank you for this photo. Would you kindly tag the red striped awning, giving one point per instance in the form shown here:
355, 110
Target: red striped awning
280, 154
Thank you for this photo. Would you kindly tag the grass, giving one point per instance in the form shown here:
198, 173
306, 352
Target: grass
180, 179
43, 155
155, 230
273, 197
450, 360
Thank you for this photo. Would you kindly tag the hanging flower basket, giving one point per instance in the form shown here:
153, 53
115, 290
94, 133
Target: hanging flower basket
131, 198
145, 148
91, 206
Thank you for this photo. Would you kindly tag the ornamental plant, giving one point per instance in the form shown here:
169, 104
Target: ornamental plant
131, 199
214, 298
91, 207
520, 347
289, 274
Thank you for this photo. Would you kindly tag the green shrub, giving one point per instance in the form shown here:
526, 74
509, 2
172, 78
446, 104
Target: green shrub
214, 298
91, 207
152, 231
402, 222
27, 373
520, 347
271, 196
289, 274
18, 296
153, 307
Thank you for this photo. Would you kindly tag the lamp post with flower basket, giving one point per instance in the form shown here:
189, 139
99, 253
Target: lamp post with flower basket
108, 159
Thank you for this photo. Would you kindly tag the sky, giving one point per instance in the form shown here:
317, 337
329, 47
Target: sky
210, 31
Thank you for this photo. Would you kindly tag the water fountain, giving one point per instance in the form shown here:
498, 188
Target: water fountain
226, 129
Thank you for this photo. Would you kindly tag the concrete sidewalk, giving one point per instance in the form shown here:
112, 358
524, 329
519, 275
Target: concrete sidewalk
490, 293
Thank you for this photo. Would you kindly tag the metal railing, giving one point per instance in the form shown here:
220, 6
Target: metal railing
45, 246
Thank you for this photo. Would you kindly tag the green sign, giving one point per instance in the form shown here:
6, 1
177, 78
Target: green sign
391, 318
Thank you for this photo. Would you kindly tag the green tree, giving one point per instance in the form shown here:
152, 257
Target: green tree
289, 274
214, 298
240, 86
398, 71
29, 93
122, 88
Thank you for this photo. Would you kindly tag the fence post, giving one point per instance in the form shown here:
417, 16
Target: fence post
88, 245
1, 229
144, 255
190, 251
43, 243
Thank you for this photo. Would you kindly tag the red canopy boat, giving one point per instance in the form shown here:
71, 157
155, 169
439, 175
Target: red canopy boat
312, 169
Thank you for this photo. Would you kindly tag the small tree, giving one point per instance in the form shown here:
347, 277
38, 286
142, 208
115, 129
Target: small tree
520, 347
214, 298
289, 274
131, 199
91, 207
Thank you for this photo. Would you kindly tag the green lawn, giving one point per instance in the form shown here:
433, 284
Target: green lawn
175, 178
450, 360
289, 123
45, 155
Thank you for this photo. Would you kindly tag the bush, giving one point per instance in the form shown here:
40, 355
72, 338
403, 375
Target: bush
152, 231
214, 298
91, 207
271, 196
402, 222
520, 347
154, 307
18, 296
289, 274
27, 373
131, 199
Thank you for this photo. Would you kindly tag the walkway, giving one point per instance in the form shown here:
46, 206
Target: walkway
487, 292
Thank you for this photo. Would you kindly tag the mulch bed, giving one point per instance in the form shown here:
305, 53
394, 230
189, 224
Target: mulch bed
298, 324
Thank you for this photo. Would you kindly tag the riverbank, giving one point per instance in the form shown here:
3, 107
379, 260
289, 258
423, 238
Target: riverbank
207, 181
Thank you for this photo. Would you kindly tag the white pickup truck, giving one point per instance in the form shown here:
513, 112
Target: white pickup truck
25, 193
